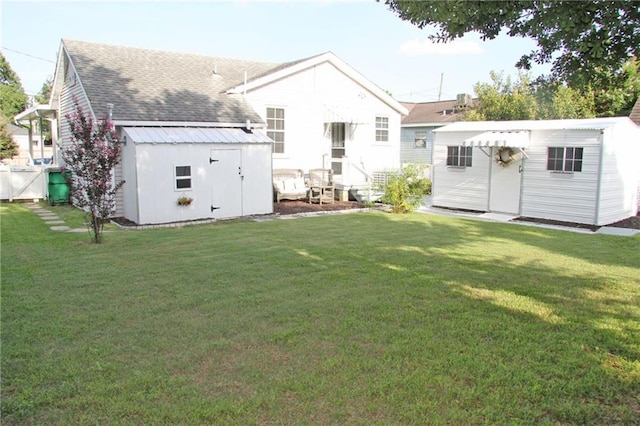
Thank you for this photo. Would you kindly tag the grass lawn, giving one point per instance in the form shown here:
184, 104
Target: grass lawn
366, 318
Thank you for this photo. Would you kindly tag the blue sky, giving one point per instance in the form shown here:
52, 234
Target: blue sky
392, 53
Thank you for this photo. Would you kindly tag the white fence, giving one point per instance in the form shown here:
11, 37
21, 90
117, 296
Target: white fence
22, 183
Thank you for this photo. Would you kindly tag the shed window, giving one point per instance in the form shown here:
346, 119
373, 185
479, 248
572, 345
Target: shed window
459, 156
183, 177
564, 159
420, 140
275, 128
382, 129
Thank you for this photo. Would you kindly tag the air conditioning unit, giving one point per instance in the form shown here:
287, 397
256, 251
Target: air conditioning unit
463, 99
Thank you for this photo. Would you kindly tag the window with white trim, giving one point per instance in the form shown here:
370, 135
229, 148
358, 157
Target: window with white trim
382, 129
275, 128
459, 156
564, 159
420, 140
182, 177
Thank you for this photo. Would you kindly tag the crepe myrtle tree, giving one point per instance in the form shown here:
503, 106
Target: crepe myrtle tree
89, 162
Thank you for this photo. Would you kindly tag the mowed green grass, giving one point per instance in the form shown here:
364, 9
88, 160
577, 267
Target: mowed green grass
362, 318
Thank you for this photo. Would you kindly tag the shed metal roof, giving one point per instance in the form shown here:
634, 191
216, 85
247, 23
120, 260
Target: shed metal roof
175, 135
569, 124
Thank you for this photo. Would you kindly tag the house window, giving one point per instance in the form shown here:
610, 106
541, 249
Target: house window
564, 159
382, 129
459, 156
275, 128
183, 177
420, 140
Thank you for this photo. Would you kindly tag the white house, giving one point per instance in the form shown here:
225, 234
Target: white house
213, 128
581, 171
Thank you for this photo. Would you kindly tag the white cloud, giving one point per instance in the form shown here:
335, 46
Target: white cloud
427, 47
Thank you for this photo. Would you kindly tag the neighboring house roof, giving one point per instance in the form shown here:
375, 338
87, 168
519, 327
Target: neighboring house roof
635, 113
156, 86
14, 130
424, 113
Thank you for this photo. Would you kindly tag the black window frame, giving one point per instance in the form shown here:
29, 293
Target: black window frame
182, 176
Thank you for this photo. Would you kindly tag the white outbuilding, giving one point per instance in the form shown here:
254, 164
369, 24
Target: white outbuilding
581, 170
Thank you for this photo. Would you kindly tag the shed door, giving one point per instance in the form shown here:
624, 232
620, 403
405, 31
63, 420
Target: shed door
504, 196
226, 176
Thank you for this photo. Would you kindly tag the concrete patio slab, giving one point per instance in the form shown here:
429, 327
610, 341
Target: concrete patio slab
623, 232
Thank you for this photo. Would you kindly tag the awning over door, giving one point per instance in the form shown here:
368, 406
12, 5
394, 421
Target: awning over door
194, 135
514, 139
344, 114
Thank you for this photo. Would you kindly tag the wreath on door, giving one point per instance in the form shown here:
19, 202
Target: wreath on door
505, 156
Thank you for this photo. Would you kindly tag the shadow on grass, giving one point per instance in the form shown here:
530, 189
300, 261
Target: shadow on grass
392, 319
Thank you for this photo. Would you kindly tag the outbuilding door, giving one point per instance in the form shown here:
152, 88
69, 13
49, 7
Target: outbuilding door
504, 194
226, 183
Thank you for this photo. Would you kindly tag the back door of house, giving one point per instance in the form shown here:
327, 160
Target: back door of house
226, 183
504, 196
338, 146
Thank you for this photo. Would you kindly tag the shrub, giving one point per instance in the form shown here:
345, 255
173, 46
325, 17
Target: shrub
405, 190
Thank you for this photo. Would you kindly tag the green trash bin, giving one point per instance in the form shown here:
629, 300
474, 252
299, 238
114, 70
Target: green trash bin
58, 186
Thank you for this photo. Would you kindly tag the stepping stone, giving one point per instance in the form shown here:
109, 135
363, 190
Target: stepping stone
54, 222
50, 217
77, 230
60, 228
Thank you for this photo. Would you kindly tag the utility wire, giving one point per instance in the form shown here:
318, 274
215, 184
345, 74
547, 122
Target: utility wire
26, 54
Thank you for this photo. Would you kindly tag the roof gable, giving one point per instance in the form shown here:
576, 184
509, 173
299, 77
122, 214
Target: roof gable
291, 68
151, 85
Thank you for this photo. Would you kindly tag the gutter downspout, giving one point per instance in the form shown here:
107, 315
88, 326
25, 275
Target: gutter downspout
599, 186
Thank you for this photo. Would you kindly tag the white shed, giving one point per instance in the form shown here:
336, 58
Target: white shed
225, 172
582, 171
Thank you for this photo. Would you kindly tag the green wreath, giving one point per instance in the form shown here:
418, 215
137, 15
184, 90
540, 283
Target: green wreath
504, 156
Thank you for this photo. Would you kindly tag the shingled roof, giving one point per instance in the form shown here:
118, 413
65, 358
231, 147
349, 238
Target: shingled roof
635, 113
153, 85
432, 112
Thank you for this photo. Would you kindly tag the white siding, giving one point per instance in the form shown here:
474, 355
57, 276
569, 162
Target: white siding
460, 188
568, 197
306, 98
129, 190
70, 89
620, 174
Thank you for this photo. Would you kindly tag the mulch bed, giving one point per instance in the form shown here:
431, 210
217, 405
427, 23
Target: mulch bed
287, 207
633, 222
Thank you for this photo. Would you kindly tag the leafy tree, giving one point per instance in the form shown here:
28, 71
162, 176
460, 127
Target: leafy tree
45, 92
12, 97
43, 98
557, 101
8, 147
577, 37
523, 100
614, 91
90, 159
504, 100
405, 190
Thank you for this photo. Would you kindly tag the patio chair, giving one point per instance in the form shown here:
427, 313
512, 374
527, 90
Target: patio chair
321, 187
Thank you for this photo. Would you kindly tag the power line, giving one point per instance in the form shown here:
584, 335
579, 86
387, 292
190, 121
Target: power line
26, 54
